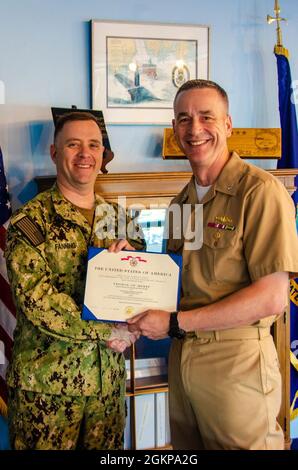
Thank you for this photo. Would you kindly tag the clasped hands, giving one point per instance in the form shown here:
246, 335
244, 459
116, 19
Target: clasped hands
152, 323
121, 338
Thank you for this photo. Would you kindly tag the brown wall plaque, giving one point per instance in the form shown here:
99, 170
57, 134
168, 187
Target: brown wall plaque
247, 142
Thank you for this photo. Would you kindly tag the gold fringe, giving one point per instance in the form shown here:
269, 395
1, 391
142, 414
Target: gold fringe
280, 50
294, 360
294, 292
294, 412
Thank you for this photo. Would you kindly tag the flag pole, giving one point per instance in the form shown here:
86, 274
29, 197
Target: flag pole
289, 159
278, 48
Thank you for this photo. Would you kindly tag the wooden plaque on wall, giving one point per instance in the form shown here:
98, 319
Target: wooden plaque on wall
247, 142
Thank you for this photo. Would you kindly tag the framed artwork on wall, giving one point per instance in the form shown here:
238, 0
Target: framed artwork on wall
137, 68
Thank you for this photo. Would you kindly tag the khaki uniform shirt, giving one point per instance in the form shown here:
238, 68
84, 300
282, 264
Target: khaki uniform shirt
259, 237
46, 253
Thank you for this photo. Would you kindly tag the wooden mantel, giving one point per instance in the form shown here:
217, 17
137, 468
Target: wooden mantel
152, 187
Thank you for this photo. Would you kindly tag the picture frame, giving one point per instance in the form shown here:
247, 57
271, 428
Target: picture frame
137, 68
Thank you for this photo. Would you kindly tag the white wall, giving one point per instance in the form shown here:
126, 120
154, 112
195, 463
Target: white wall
45, 61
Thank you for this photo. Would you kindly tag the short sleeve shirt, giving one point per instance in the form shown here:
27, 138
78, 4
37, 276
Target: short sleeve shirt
249, 232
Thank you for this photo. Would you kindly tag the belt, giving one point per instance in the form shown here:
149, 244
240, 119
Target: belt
235, 333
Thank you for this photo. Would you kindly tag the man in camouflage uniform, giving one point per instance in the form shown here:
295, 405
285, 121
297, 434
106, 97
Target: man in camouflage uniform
67, 376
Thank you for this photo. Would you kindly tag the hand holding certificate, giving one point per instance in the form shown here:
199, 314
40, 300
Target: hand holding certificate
121, 285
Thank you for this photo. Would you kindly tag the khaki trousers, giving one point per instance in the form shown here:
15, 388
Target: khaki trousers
225, 393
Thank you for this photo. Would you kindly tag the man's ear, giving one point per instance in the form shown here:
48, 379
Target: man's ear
173, 124
53, 153
229, 125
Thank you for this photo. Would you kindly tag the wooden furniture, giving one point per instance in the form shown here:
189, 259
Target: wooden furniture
155, 189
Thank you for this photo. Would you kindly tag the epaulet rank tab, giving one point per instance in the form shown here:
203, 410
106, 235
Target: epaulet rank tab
30, 230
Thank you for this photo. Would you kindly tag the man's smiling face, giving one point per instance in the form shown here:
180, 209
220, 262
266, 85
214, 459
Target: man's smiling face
77, 154
202, 125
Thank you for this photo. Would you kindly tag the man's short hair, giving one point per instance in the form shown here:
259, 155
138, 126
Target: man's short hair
73, 116
200, 83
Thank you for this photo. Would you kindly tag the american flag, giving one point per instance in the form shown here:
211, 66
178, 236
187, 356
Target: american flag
7, 309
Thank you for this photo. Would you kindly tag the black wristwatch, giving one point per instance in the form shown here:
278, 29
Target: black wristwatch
174, 330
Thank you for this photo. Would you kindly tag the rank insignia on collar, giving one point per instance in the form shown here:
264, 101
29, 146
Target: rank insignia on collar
221, 226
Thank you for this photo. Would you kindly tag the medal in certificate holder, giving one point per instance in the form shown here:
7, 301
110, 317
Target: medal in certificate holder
121, 285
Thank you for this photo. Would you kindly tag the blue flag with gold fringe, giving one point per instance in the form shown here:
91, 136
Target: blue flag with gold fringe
288, 119
289, 159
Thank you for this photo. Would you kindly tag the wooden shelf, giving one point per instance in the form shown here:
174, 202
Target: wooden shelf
145, 385
152, 187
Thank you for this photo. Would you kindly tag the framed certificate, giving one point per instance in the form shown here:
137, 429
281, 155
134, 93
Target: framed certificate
121, 285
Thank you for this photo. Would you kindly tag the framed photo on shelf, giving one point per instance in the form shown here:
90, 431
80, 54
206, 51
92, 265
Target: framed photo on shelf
137, 68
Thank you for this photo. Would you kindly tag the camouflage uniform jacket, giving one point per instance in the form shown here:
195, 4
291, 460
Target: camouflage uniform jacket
55, 351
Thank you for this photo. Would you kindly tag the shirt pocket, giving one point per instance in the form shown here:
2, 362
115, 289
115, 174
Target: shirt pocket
221, 258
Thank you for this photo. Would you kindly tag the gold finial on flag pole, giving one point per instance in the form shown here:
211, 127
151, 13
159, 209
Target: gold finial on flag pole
278, 49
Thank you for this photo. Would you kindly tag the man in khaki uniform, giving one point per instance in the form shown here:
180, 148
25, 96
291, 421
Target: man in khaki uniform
224, 379
66, 377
